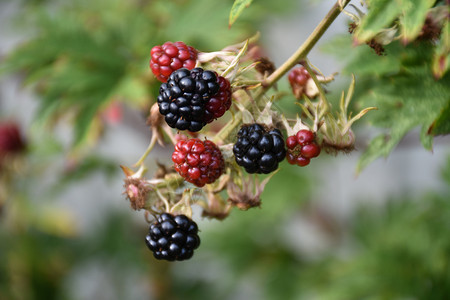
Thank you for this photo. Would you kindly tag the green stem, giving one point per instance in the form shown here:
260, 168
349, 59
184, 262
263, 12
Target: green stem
147, 151
304, 49
295, 58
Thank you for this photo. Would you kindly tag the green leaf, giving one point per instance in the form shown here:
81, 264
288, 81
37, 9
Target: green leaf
131, 89
84, 123
441, 57
405, 101
82, 54
402, 86
381, 14
361, 60
408, 15
413, 17
442, 124
237, 9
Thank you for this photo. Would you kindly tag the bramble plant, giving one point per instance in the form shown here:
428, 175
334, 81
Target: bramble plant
258, 137
271, 152
220, 111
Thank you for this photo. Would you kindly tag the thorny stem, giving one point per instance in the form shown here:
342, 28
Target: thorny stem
299, 55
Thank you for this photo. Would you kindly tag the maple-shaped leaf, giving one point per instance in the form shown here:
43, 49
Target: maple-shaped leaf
402, 85
406, 100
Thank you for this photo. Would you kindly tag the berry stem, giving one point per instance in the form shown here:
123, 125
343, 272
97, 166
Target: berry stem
164, 200
147, 151
299, 55
304, 49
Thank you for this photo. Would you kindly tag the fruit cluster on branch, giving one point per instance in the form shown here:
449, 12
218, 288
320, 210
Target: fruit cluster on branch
214, 169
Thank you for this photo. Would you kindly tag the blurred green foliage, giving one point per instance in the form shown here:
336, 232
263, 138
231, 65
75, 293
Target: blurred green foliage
84, 54
396, 251
400, 250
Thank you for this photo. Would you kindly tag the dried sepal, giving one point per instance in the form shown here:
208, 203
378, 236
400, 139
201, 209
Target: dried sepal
267, 115
311, 90
217, 207
137, 188
232, 69
292, 130
226, 62
248, 194
336, 129
156, 195
247, 116
240, 64
264, 66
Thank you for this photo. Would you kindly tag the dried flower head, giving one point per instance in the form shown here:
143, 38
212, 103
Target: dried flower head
249, 195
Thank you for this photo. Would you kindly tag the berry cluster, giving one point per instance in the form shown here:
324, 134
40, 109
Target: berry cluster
173, 237
301, 148
170, 57
183, 99
258, 149
298, 77
198, 162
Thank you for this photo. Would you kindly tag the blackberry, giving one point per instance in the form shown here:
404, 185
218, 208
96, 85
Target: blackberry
258, 149
301, 147
298, 78
173, 237
183, 99
170, 57
220, 102
198, 162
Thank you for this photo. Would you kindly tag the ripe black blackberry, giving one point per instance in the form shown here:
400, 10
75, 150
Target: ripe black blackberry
182, 100
173, 237
259, 150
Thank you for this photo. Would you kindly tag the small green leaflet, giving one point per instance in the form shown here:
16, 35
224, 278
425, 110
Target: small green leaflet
237, 9
409, 15
406, 100
442, 124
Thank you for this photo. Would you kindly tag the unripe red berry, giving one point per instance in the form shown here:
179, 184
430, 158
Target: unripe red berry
310, 150
298, 78
304, 136
198, 162
302, 161
170, 57
291, 142
301, 148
